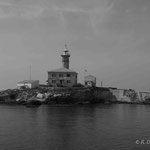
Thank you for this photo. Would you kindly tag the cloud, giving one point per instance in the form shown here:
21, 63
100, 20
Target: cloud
35, 9
98, 16
94, 11
92, 17
5, 4
68, 9
10, 10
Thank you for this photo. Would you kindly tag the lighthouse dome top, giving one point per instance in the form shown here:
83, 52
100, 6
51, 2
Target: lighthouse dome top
66, 51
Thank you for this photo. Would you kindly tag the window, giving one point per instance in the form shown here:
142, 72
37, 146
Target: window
53, 75
68, 81
61, 75
53, 81
68, 75
61, 81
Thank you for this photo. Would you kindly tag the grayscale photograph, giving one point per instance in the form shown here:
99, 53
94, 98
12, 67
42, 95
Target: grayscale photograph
74, 74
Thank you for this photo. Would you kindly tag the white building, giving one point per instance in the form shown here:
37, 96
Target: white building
28, 84
90, 81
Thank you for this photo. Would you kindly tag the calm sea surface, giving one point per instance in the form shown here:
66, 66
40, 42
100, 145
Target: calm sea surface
99, 127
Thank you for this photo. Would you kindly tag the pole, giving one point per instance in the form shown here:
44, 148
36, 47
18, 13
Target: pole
30, 73
83, 77
101, 83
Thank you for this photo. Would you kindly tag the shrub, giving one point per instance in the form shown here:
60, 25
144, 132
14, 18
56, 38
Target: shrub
78, 85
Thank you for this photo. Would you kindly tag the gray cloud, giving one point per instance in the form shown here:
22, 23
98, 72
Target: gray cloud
87, 19
11, 10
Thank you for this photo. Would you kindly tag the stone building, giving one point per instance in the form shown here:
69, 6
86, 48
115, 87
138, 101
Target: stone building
63, 76
90, 81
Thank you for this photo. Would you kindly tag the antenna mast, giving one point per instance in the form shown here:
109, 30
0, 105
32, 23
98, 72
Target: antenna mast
30, 73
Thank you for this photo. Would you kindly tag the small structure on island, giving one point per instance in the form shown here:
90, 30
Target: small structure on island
28, 84
63, 76
90, 81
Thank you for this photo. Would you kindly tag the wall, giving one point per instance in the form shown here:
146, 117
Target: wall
130, 95
35, 84
19, 85
72, 78
144, 95
120, 95
30, 85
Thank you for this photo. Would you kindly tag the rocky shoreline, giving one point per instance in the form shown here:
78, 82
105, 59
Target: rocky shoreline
63, 96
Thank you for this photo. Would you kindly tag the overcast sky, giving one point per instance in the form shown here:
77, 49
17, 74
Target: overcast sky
109, 38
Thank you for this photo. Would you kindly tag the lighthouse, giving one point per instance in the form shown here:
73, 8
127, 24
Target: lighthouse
65, 58
63, 76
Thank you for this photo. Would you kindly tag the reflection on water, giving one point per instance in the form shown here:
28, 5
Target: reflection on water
74, 127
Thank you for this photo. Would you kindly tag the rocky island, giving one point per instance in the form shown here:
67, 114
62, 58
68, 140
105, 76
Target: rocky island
63, 88
73, 95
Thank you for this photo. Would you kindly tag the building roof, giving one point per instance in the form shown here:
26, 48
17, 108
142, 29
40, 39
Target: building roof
28, 81
62, 70
89, 78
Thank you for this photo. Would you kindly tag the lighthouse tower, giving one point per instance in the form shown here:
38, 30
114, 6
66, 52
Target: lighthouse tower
65, 58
